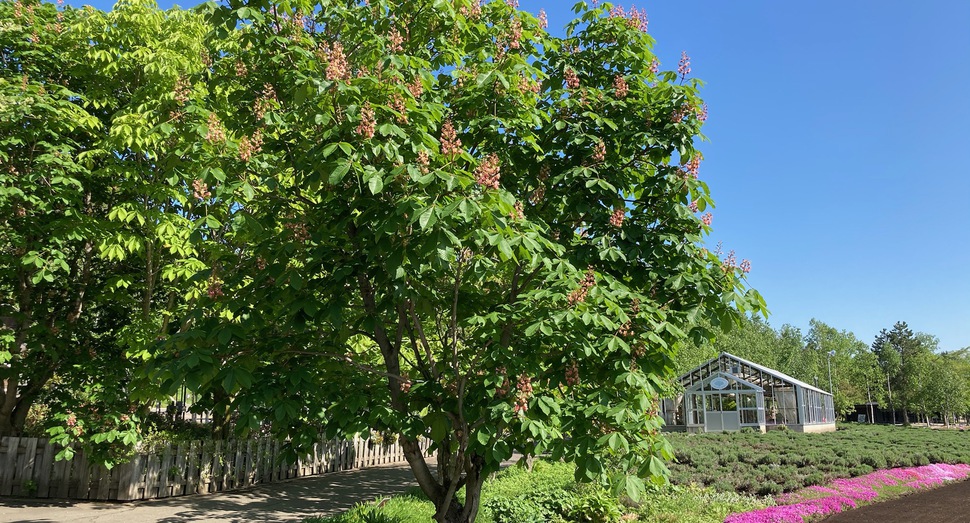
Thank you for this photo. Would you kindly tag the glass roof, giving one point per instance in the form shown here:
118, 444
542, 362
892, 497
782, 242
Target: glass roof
750, 372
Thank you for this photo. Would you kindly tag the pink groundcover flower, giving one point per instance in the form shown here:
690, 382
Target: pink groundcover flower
844, 494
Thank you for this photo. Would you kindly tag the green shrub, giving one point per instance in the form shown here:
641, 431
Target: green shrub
514, 510
769, 488
593, 504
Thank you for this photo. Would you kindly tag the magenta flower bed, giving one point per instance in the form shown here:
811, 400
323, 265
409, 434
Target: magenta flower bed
844, 494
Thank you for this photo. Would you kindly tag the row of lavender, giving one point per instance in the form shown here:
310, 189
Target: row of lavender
28, 468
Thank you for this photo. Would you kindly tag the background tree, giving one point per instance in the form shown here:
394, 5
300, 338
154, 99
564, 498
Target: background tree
491, 236
900, 355
95, 260
842, 355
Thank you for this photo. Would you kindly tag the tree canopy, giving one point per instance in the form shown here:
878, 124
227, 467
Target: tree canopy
431, 219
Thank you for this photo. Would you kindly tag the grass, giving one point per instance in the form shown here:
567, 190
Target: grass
549, 493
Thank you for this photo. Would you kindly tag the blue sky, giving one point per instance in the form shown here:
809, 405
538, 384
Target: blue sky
839, 151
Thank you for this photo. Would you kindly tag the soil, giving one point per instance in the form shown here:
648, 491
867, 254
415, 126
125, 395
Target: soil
946, 504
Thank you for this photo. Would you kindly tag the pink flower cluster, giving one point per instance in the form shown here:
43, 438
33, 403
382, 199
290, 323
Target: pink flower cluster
368, 124
416, 87
502, 389
572, 374
543, 19
424, 162
250, 146
848, 493
637, 18
487, 174
694, 165
702, 113
215, 134
215, 287
474, 12
572, 80
395, 41
708, 218
450, 144
587, 283
616, 219
525, 392
515, 37
684, 67
337, 68
599, 152
621, 87
182, 90
518, 211
200, 190
398, 105
265, 101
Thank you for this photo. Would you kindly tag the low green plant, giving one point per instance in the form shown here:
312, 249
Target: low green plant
29, 486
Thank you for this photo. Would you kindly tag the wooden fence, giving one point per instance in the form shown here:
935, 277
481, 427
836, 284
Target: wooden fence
28, 468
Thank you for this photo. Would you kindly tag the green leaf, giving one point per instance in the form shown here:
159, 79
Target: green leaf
427, 218
339, 171
376, 183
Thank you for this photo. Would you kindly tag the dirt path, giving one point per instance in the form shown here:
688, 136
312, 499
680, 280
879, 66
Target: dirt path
288, 501
947, 504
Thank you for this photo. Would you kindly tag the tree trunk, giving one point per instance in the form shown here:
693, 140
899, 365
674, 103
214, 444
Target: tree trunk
906, 422
6, 426
13, 417
8, 404
220, 414
457, 512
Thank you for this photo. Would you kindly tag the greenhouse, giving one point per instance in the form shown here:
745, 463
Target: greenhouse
730, 393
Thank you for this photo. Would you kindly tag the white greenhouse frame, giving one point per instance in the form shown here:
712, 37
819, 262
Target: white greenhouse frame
729, 393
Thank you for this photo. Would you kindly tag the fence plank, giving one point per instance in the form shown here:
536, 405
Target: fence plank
178, 484
240, 464
276, 473
103, 479
164, 472
205, 469
188, 468
82, 473
130, 479
45, 470
152, 469
25, 467
8, 464
192, 478
229, 460
252, 447
62, 471
218, 459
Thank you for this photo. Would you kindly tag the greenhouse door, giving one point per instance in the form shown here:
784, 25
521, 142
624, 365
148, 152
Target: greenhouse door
721, 413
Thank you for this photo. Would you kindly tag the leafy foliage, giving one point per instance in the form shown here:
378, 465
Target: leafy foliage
491, 237
95, 258
456, 216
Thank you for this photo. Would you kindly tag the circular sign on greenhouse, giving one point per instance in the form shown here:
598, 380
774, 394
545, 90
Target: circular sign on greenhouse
719, 383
